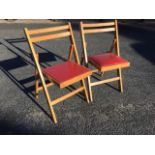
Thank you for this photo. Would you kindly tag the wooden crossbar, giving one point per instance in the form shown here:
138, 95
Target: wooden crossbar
50, 37
88, 31
89, 25
48, 85
46, 30
67, 96
105, 81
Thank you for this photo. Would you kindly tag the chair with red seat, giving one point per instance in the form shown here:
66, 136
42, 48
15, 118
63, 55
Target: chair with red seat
106, 61
63, 74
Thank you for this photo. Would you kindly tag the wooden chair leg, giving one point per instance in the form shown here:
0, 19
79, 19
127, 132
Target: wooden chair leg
36, 86
85, 90
89, 89
53, 115
120, 82
50, 105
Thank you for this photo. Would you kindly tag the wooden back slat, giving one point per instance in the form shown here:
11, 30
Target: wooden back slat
90, 25
46, 30
50, 37
89, 31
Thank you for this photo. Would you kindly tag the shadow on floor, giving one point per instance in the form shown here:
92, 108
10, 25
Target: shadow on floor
10, 128
24, 59
145, 38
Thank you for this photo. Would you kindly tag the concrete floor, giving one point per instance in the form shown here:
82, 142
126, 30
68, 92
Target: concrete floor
132, 112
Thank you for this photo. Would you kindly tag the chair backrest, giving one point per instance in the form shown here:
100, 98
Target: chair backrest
90, 28
51, 33
38, 35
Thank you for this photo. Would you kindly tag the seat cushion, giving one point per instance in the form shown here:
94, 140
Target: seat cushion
108, 61
66, 73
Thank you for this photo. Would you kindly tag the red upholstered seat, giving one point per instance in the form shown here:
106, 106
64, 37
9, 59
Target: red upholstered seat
66, 73
108, 61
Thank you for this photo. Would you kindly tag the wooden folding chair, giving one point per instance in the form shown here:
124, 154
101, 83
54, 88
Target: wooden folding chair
106, 61
63, 74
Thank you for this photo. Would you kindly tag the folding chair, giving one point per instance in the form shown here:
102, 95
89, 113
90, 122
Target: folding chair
62, 74
106, 61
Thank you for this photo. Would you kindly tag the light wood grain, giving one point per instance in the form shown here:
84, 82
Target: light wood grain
41, 76
105, 81
50, 37
62, 98
46, 30
90, 25
90, 28
90, 31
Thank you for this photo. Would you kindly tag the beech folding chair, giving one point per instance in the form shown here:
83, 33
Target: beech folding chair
106, 61
62, 74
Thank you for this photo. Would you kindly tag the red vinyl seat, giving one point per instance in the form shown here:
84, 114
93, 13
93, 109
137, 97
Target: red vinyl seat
108, 61
66, 73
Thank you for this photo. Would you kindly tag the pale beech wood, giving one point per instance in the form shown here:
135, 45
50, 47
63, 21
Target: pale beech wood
74, 44
36, 85
89, 31
90, 89
120, 82
90, 25
50, 37
62, 98
46, 30
37, 81
117, 49
48, 85
84, 43
85, 90
105, 81
41, 76
117, 39
88, 28
86, 60
73, 51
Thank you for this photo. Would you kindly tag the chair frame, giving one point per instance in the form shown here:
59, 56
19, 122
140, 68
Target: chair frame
38, 71
90, 28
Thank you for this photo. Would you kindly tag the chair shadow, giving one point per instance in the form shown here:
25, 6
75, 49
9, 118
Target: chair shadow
10, 128
15, 63
44, 57
71, 87
144, 36
146, 50
23, 59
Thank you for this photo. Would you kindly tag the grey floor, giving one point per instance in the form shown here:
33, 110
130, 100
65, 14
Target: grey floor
132, 112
